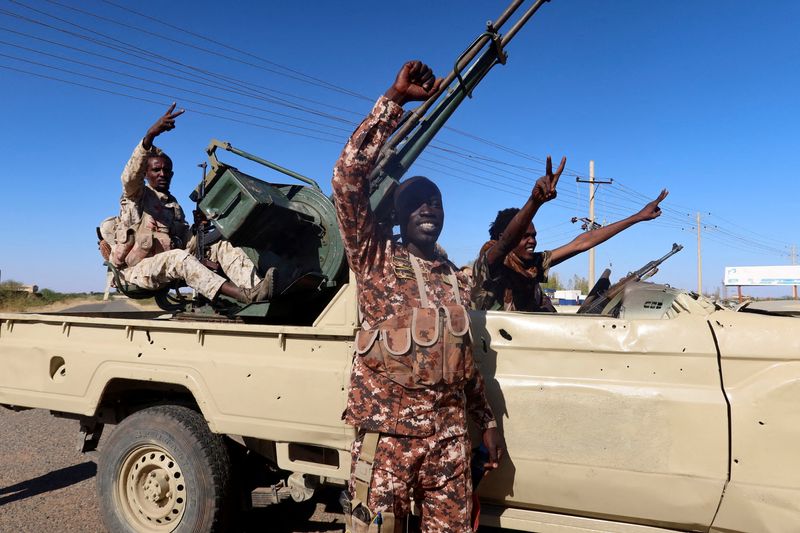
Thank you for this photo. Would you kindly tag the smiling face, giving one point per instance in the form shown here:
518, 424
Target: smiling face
424, 224
159, 173
527, 245
420, 213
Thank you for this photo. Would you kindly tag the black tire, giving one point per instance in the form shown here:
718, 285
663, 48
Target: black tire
162, 470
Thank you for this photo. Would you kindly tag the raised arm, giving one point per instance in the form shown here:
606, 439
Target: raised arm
134, 173
592, 238
543, 191
357, 223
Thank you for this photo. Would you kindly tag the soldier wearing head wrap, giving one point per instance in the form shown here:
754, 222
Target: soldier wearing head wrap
413, 379
151, 235
509, 270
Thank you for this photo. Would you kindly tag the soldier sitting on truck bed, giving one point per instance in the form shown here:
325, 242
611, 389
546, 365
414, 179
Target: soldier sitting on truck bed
151, 233
508, 271
413, 379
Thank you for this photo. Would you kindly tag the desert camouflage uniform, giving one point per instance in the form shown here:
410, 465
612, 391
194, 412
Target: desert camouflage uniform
510, 287
424, 444
167, 261
236, 264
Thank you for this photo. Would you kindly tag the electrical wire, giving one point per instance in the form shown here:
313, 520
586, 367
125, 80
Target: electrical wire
164, 104
616, 202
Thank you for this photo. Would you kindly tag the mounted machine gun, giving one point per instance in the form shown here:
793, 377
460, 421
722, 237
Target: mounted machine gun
293, 227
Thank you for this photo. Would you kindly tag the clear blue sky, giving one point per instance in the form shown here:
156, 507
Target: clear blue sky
697, 96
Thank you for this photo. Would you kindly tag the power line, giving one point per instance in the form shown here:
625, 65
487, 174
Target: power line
147, 80
183, 43
164, 104
195, 79
131, 49
243, 52
153, 57
671, 216
157, 93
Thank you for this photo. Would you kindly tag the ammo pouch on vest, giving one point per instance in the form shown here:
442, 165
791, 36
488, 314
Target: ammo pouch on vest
124, 239
140, 245
431, 347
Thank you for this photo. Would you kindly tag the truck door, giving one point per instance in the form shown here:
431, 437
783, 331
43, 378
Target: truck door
607, 418
761, 372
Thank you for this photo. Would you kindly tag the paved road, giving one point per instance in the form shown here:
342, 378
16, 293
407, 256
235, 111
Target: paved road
111, 306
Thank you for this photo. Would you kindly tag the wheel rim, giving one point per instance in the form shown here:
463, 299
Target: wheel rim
152, 490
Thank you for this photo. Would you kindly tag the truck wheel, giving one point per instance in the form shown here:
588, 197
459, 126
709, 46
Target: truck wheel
163, 470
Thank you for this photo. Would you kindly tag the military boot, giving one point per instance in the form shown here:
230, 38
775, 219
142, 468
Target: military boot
263, 291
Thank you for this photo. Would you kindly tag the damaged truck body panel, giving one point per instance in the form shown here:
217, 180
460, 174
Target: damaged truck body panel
608, 417
614, 422
761, 370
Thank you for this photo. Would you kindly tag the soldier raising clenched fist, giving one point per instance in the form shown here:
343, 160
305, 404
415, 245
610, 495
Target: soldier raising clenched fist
414, 378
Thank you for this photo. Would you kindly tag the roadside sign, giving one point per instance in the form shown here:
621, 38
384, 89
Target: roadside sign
763, 275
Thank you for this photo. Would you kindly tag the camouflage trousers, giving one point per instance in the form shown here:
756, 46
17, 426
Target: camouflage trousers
159, 271
434, 472
235, 263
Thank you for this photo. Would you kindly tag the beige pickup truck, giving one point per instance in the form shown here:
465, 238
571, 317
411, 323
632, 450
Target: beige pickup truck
666, 413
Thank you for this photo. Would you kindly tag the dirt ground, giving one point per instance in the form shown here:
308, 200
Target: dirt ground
47, 486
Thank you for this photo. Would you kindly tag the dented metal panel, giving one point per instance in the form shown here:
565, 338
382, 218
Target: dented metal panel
282, 383
606, 417
761, 371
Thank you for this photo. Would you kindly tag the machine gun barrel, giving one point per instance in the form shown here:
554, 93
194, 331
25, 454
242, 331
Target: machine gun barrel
599, 297
642, 272
645, 272
418, 129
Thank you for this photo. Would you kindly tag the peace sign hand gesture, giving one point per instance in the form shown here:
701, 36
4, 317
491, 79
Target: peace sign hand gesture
545, 188
164, 123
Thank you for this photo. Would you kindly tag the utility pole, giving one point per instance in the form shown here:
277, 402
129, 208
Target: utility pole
794, 262
591, 217
592, 224
699, 259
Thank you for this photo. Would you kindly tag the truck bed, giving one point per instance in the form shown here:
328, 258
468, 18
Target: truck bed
278, 383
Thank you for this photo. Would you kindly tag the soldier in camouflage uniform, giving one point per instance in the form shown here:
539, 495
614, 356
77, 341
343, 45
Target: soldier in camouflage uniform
152, 236
508, 271
413, 378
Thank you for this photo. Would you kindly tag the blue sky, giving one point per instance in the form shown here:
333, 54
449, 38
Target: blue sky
696, 96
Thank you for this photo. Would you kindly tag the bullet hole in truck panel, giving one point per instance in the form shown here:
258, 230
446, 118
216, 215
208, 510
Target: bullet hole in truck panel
506, 335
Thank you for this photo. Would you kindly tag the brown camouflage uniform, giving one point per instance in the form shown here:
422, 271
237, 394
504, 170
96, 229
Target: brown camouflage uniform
424, 446
510, 286
151, 234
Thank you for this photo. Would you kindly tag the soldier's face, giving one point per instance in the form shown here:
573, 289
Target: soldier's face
424, 222
527, 244
159, 173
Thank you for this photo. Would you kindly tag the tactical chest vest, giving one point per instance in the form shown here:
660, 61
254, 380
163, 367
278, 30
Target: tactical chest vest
423, 347
142, 235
